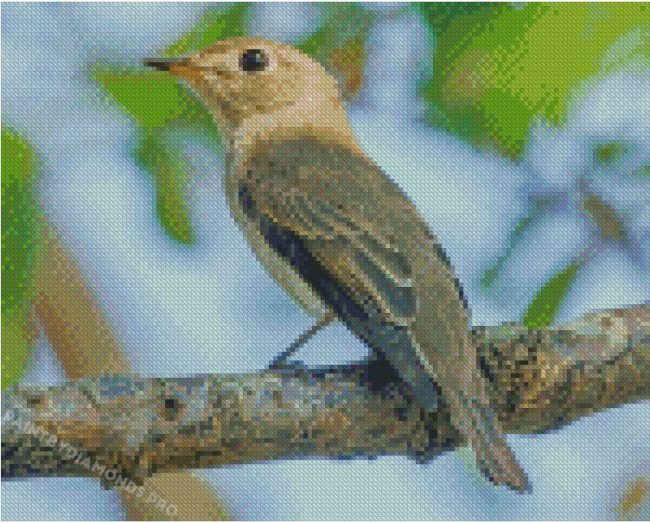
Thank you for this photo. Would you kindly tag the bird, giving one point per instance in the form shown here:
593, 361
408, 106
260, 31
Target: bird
337, 233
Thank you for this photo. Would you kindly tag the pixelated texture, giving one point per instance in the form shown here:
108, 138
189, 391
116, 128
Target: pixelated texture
340, 44
497, 71
20, 241
416, 163
172, 106
213, 413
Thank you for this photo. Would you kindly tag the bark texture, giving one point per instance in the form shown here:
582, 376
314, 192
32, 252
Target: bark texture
136, 427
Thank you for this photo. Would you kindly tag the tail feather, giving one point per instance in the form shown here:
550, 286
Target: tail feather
493, 456
468, 404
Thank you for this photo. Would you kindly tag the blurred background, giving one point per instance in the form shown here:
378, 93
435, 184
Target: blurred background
521, 131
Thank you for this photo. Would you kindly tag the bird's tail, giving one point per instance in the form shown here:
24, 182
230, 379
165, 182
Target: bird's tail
476, 420
463, 390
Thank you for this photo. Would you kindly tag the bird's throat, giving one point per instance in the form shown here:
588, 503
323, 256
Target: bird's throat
290, 123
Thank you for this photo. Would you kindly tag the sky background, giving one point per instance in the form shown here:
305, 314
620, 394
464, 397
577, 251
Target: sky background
181, 310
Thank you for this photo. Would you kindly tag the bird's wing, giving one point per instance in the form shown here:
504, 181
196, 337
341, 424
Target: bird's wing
358, 242
302, 194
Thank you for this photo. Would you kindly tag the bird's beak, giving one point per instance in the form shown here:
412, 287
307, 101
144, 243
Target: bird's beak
180, 67
161, 64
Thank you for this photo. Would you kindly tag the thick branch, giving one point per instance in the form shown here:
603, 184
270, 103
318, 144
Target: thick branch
73, 321
136, 426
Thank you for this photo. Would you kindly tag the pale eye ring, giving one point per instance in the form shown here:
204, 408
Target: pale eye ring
253, 60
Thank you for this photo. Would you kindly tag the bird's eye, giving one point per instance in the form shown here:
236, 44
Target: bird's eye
253, 60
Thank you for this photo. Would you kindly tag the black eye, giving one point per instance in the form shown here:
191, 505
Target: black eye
253, 60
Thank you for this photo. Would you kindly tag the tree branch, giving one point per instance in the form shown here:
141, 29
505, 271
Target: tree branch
135, 427
73, 320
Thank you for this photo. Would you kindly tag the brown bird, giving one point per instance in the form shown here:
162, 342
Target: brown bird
337, 233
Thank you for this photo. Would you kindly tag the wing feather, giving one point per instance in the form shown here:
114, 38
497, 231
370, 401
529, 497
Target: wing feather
348, 246
346, 229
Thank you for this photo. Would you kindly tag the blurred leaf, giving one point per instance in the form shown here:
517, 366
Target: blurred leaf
340, 44
349, 60
606, 218
215, 25
21, 237
636, 494
158, 102
152, 99
18, 220
491, 274
632, 48
155, 100
498, 67
610, 153
171, 174
544, 306
440, 14
16, 347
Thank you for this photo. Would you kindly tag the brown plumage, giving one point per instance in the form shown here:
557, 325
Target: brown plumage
338, 234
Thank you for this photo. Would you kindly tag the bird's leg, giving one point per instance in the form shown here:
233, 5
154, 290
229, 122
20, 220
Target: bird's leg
323, 322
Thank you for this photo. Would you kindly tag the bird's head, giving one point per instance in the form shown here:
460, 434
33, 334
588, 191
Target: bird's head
242, 77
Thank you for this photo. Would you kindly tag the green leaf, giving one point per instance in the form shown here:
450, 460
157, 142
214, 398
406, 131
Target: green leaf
20, 222
172, 174
499, 67
21, 237
342, 22
16, 347
440, 14
157, 102
543, 308
153, 99
156, 99
215, 25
